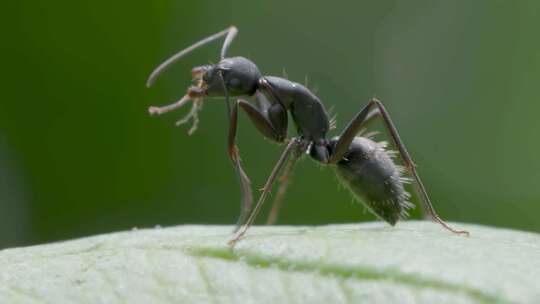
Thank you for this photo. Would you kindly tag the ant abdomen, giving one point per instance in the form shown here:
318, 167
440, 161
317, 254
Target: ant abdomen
368, 171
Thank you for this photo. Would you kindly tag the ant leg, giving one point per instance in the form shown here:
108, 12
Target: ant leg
284, 181
420, 189
265, 127
372, 115
273, 129
348, 134
276, 110
293, 143
245, 183
370, 118
352, 129
375, 113
230, 32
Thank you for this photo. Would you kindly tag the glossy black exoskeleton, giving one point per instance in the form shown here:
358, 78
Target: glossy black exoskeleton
364, 166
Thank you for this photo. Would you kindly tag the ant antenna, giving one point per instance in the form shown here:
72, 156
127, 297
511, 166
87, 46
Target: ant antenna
230, 32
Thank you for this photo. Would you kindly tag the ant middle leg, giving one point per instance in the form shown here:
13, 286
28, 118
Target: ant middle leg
284, 181
348, 134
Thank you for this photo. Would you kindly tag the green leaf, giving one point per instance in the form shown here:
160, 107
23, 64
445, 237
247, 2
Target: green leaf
414, 262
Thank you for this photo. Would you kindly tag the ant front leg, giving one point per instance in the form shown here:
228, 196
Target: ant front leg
352, 129
263, 122
293, 144
245, 184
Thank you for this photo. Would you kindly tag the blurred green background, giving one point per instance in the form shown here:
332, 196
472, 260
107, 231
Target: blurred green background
79, 154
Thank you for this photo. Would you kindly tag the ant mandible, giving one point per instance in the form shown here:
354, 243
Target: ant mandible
364, 166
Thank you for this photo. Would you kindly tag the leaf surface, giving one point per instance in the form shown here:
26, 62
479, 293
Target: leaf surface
414, 262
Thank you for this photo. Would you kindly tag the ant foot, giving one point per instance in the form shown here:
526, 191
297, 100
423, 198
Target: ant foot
463, 233
233, 241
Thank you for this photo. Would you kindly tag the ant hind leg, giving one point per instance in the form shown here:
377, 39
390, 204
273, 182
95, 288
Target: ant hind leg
348, 134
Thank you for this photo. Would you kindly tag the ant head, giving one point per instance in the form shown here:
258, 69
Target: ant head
239, 75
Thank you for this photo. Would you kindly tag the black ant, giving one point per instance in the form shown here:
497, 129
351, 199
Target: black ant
363, 166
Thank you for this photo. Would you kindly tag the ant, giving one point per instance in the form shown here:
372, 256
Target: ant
364, 166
